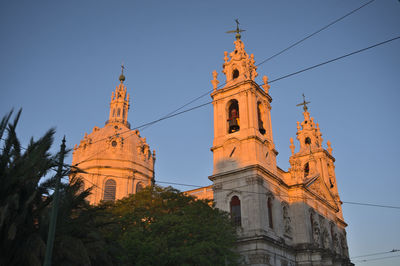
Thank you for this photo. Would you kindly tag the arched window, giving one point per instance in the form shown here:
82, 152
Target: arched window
306, 169
109, 190
236, 215
118, 112
139, 187
123, 114
235, 74
233, 116
113, 113
260, 121
270, 222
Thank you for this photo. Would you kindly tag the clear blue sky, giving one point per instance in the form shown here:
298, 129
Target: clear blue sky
60, 60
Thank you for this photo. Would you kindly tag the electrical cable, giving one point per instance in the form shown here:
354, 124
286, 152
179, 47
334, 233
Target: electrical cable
252, 192
275, 55
314, 33
277, 79
335, 59
283, 77
375, 259
374, 254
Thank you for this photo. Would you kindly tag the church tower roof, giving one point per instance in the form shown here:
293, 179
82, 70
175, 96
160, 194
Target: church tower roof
308, 133
117, 160
313, 166
119, 104
238, 66
242, 119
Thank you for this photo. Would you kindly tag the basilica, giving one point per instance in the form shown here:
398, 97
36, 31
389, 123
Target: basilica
283, 218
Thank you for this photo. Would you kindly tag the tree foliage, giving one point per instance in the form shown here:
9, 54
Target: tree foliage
21, 202
162, 226
158, 226
25, 204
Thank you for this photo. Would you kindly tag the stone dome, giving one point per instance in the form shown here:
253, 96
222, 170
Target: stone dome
116, 160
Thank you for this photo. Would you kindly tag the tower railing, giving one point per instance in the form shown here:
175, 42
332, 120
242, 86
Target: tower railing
127, 124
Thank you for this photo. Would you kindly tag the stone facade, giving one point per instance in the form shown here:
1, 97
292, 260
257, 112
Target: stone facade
117, 161
282, 218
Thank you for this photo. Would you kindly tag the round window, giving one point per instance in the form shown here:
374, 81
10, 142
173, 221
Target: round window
114, 143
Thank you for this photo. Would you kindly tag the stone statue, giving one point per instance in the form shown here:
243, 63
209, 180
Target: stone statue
215, 81
335, 240
253, 68
325, 239
146, 152
266, 86
329, 147
316, 233
292, 147
343, 244
286, 221
226, 57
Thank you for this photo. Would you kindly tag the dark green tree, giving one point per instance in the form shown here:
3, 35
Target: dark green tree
162, 226
21, 200
25, 203
79, 233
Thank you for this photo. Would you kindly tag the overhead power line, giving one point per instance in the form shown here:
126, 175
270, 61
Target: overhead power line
335, 59
244, 191
207, 103
314, 33
274, 80
273, 56
376, 259
277, 79
371, 204
375, 254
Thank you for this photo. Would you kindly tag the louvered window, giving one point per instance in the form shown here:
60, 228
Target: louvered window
236, 215
109, 190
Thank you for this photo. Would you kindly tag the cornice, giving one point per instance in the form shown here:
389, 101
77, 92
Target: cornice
251, 82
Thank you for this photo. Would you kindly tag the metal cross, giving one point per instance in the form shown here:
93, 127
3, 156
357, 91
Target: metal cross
304, 103
122, 68
237, 31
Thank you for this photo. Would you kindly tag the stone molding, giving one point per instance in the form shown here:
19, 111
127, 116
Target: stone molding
253, 180
259, 259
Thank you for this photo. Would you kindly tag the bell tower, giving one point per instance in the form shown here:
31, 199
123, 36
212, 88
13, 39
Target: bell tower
242, 118
313, 166
245, 174
282, 217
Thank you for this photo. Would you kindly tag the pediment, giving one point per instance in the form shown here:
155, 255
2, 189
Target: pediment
317, 186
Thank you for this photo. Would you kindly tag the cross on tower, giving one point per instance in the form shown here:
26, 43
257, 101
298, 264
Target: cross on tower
304, 103
122, 77
237, 31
